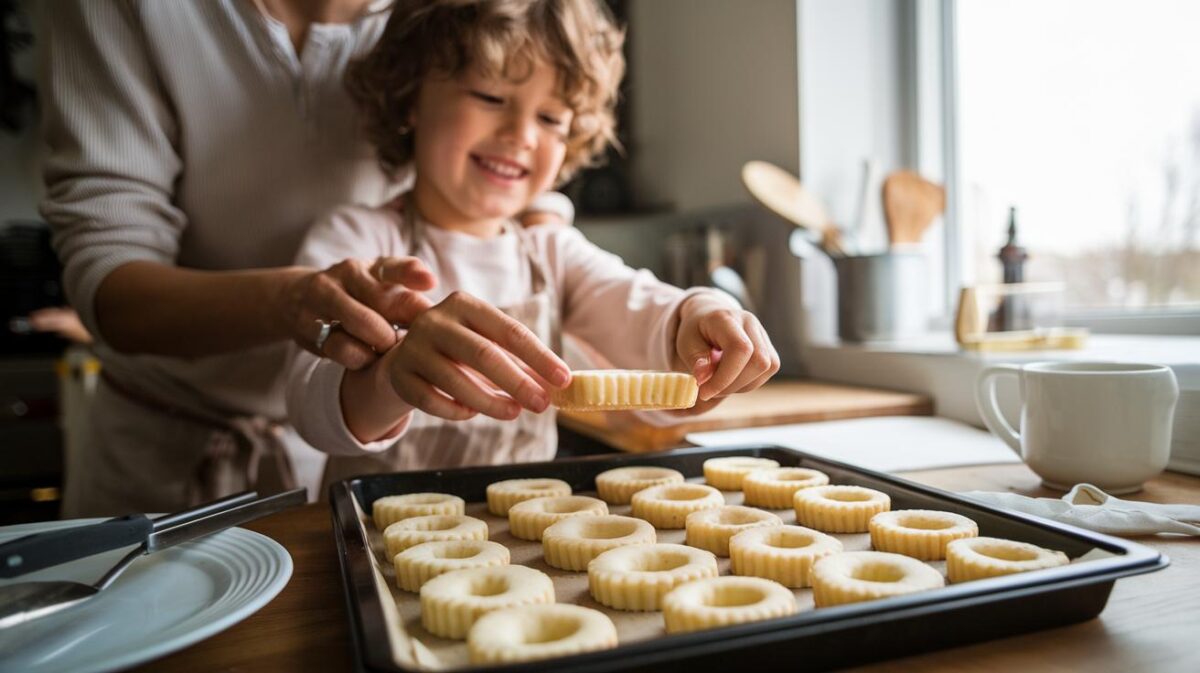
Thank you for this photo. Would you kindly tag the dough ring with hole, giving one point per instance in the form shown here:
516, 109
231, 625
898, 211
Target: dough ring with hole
920, 533
451, 602
785, 554
572, 543
727, 473
615, 389
721, 601
979, 557
839, 509
774, 489
502, 495
637, 577
669, 505
530, 632
855, 576
415, 530
420, 563
389, 509
617, 486
528, 518
711, 528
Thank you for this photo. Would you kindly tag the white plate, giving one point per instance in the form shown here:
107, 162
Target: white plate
161, 603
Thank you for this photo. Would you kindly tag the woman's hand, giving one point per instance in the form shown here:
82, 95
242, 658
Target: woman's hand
460, 358
366, 299
726, 349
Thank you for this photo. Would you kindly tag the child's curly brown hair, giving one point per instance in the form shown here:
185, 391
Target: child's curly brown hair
578, 38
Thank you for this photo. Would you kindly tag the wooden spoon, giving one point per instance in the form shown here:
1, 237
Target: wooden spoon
910, 204
782, 193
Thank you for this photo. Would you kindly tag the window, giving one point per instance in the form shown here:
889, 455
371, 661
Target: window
1085, 116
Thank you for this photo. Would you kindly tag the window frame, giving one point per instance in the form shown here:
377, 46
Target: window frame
931, 33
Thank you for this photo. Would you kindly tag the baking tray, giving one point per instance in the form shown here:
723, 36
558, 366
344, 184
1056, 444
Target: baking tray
831, 637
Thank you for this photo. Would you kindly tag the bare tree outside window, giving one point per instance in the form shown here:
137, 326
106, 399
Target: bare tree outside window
1086, 117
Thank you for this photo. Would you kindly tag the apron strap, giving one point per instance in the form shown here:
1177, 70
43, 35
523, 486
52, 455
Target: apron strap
236, 450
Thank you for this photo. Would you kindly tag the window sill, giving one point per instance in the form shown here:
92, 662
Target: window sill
936, 367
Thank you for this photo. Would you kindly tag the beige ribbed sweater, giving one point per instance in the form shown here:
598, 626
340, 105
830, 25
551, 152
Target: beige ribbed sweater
190, 133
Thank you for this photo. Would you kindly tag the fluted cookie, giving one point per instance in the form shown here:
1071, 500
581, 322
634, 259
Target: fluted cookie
839, 509
617, 486
502, 495
451, 602
415, 530
530, 632
615, 389
727, 473
785, 554
851, 577
420, 563
721, 601
774, 489
980, 557
669, 505
637, 577
389, 509
711, 528
572, 543
920, 533
528, 518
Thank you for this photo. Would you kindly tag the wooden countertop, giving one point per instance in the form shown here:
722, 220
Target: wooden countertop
778, 403
1149, 624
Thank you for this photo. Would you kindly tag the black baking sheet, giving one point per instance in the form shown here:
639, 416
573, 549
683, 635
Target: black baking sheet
812, 640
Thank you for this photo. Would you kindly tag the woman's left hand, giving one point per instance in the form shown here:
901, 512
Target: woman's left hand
726, 349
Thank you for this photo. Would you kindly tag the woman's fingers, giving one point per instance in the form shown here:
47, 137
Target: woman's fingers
410, 272
345, 349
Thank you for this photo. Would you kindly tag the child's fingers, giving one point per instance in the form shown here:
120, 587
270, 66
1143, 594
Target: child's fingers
424, 396
494, 364
725, 332
513, 337
762, 366
464, 390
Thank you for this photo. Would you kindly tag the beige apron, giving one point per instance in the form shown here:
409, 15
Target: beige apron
145, 455
430, 442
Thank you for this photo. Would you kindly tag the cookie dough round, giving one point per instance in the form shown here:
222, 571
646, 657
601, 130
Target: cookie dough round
721, 601
920, 533
855, 576
839, 509
530, 632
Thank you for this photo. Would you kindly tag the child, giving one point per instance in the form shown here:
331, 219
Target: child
495, 102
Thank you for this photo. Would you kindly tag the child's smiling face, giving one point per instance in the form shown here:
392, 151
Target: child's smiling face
486, 146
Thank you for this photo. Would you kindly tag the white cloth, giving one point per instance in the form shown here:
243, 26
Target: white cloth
1089, 507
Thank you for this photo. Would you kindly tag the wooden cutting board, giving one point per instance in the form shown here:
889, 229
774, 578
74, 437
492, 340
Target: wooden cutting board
777, 403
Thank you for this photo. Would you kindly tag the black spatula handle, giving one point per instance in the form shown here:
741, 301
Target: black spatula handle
43, 550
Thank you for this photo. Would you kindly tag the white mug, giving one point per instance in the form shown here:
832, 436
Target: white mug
1101, 423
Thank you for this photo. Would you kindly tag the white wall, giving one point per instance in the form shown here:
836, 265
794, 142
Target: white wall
713, 86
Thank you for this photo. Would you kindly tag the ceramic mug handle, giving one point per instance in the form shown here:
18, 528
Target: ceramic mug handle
985, 400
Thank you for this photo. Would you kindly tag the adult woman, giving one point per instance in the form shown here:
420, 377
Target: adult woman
190, 145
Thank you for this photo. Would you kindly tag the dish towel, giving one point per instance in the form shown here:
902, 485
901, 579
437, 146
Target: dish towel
1088, 507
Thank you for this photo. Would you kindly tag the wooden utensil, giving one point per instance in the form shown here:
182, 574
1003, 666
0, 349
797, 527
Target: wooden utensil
910, 203
782, 193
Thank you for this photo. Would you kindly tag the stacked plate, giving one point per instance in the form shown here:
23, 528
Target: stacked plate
1185, 438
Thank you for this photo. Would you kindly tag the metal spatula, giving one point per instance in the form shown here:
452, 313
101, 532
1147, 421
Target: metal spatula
24, 601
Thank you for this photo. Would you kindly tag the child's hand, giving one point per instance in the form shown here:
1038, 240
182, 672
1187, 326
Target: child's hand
465, 356
726, 348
